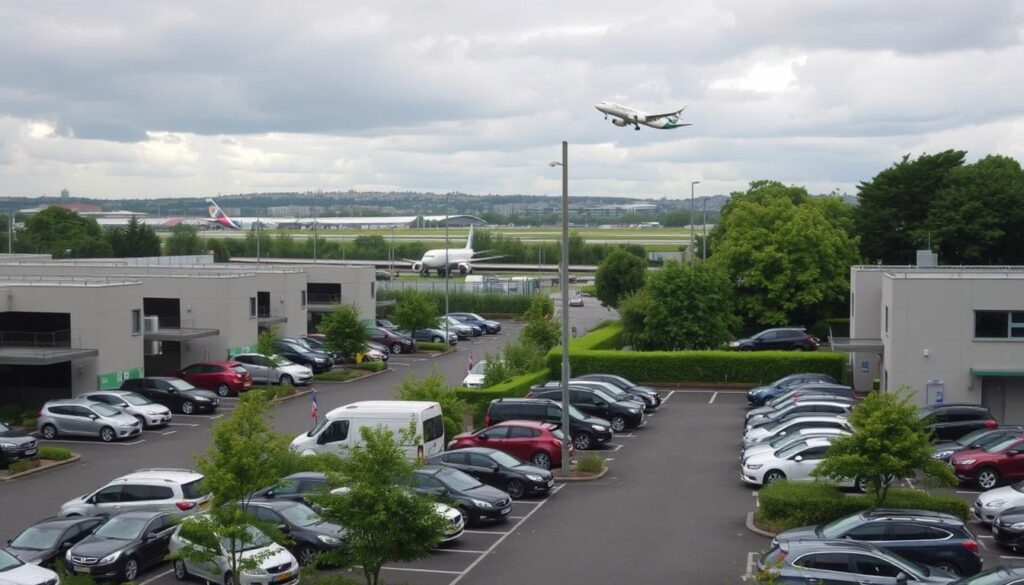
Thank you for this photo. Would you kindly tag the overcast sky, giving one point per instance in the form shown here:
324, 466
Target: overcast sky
119, 99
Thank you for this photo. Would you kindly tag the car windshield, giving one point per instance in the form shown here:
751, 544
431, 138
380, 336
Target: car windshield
252, 539
608, 396
505, 460
479, 367
457, 480
576, 413
1019, 486
301, 515
3, 428
1001, 445
136, 399
104, 410
8, 561
37, 538
181, 385
122, 528
280, 361
837, 528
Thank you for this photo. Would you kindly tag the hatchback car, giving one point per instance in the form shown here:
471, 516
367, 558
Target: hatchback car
477, 501
224, 378
768, 432
613, 391
625, 385
537, 442
462, 330
576, 300
1008, 528
846, 562
975, 440
294, 488
622, 415
786, 440
174, 393
586, 432
274, 563
15, 446
15, 572
498, 469
776, 339
295, 350
273, 369
948, 422
992, 465
168, 490
489, 325
432, 335
81, 418
794, 463
46, 541
475, 376
123, 546
758, 396
308, 533
935, 539
777, 404
822, 407
149, 413
988, 505
395, 342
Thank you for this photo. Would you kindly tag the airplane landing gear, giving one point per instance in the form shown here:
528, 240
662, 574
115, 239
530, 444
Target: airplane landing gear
637, 127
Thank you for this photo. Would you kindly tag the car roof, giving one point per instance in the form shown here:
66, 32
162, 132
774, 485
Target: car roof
804, 546
307, 475
61, 401
276, 504
814, 417
65, 521
931, 407
143, 514
526, 423
116, 391
523, 401
908, 514
227, 363
169, 475
160, 378
818, 441
479, 450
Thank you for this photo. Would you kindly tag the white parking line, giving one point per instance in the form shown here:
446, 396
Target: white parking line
667, 396
614, 447
168, 433
1011, 558
421, 570
182, 425
967, 492
713, 396
751, 565
487, 531
155, 577
984, 536
111, 444
529, 503
456, 550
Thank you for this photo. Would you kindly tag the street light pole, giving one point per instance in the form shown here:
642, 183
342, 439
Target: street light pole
704, 230
563, 280
693, 211
447, 267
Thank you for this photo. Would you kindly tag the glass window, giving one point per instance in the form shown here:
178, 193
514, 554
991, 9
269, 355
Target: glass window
495, 433
136, 321
121, 528
456, 458
267, 515
108, 494
252, 307
825, 562
886, 319
523, 433
991, 324
194, 489
433, 428
136, 493
478, 460
909, 532
336, 431
876, 567
870, 531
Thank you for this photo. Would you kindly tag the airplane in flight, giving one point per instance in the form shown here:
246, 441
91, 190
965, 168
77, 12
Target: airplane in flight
624, 116
447, 260
217, 216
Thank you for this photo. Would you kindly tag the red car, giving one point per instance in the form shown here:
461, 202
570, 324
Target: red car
224, 378
988, 467
536, 442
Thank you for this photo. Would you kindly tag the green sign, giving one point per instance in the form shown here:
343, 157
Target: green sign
113, 380
241, 349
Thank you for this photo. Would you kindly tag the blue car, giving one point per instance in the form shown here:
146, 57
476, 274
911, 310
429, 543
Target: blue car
758, 396
486, 325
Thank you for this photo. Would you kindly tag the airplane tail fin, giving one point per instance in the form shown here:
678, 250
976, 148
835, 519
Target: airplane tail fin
469, 239
218, 216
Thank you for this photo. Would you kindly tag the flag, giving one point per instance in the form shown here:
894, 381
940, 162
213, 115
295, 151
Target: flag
313, 412
470, 366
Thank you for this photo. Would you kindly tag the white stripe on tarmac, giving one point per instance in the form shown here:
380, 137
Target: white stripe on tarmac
168, 433
713, 396
155, 577
456, 550
110, 444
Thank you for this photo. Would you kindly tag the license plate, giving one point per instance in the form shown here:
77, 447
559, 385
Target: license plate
506, 510
551, 482
81, 569
30, 452
284, 577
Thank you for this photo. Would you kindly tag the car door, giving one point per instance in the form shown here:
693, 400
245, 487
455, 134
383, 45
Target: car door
457, 459
764, 340
154, 540
874, 570
1012, 464
587, 402
107, 501
911, 541
482, 468
825, 568
800, 465
521, 442
193, 375
84, 421
265, 514
249, 363
334, 437
494, 437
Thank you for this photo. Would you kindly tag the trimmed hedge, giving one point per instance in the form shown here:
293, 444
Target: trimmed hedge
785, 505
517, 387
607, 337
336, 376
431, 346
54, 453
368, 366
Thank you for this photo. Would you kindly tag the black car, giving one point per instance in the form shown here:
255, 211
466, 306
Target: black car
949, 422
294, 351
978, 439
385, 324
758, 396
934, 539
47, 541
498, 469
15, 446
1007, 528
648, 402
174, 393
396, 342
308, 533
588, 432
317, 345
649, 394
294, 487
123, 546
620, 414
476, 500
779, 338
488, 325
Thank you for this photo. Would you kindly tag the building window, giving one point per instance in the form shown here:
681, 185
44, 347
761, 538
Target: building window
999, 324
252, 307
302, 297
136, 321
887, 319
373, 289
853, 303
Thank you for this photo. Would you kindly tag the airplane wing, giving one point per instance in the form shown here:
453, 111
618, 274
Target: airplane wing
652, 117
488, 258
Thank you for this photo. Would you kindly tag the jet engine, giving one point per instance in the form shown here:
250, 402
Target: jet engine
417, 267
619, 122
465, 268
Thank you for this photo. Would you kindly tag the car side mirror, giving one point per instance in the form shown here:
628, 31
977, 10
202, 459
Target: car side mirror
901, 578
283, 528
269, 494
496, 468
798, 458
172, 390
150, 536
1013, 452
63, 546
93, 416
484, 438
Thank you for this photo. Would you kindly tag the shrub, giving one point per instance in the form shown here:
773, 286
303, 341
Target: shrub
9, 413
431, 346
590, 463
54, 453
280, 391
29, 422
517, 387
336, 375
433, 388
24, 465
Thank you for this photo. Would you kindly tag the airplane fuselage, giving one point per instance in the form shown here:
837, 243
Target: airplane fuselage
626, 116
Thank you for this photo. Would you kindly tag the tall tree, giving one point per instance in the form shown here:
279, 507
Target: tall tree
619, 274
219, 249
184, 241
344, 331
690, 306
414, 311
63, 234
138, 240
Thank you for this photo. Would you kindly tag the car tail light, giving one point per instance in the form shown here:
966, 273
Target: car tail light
971, 545
487, 420
419, 452
184, 506
40, 415
991, 424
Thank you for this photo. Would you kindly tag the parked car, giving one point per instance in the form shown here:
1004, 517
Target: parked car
978, 439
489, 325
386, 324
381, 275
949, 422
846, 562
462, 330
650, 396
477, 329
620, 395
1005, 574
932, 538
475, 376
769, 431
456, 522
163, 490
777, 405
587, 432
395, 342
432, 335
825, 406
988, 505
537, 442
785, 441
1008, 528
776, 339
499, 469
308, 533
759, 395
622, 415
46, 542
317, 344
376, 351
82, 418
576, 300
15, 572
274, 563
174, 393
16, 446
992, 465
295, 351
224, 378
476, 500
273, 369
123, 546
149, 413
794, 463
294, 488
816, 389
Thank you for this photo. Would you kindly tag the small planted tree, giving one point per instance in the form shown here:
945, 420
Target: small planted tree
433, 388
265, 346
619, 274
414, 311
889, 441
541, 331
344, 331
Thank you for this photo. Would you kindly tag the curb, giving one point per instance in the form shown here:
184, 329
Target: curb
441, 353
370, 375
603, 473
74, 458
277, 401
755, 529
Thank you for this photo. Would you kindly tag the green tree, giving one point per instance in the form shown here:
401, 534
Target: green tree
415, 311
285, 246
633, 311
691, 307
788, 262
385, 521
63, 234
259, 243
135, 241
541, 331
219, 249
265, 346
889, 441
433, 388
496, 370
619, 274
184, 241
344, 331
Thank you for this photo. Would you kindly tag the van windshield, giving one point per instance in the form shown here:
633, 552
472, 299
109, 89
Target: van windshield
319, 426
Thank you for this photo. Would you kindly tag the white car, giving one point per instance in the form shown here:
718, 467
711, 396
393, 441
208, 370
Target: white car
265, 369
787, 440
149, 413
276, 564
456, 520
794, 463
13, 571
989, 504
786, 427
475, 377
821, 407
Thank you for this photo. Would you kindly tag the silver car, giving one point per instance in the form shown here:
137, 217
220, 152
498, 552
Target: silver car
83, 418
149, 413
180, 491
265, 369
275, 563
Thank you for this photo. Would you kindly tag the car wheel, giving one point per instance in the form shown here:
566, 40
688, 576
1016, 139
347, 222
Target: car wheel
861, 485
142, 421
949, 567
223, 390
229, 579
396, 348
541, 459
618, 424
988, 478
180, 572
286, 380
773, 476
49, 431
437, 339
187, 407
307, 555
582, 441
107, 435
515, 489
131, 569
746, 348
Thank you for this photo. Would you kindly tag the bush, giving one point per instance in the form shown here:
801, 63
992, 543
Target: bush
369, 366
23, 465
10, 413
590, 463
54, 453
336, 375
785, 505
433, 388
280, 391
517, 387
29, 422
431, 346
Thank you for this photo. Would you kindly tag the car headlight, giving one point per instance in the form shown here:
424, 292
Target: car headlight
320, 360
256, 571
7, 445
754, 466
942, 454
633, 411
67, 556
534, 477
599, 428
734, 344
481, 503
965, 462
201, 399
328, 539
109, 558
994, 503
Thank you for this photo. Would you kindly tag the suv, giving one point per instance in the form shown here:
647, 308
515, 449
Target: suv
84, 418
935, 539
978, 439
529, 440
224, 378
174, 393
989, 466
295, 487
297, 351
779, 338
172, 490
758, 396
622, 414
845, 561
949, 422
588, 432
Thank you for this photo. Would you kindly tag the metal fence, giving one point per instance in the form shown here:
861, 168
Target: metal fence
66, 338
501, 286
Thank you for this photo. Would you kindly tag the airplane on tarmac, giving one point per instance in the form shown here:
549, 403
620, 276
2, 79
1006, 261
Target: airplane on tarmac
220, 218
624, 116
447, 260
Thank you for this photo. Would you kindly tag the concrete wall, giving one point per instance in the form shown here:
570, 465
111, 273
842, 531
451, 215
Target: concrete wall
865, 323
358, 284
285, 290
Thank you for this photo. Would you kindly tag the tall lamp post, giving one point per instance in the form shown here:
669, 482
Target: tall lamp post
693, 212
704, 229
447, 268
563, 280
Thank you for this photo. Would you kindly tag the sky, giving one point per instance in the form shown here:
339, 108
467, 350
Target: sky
156, 99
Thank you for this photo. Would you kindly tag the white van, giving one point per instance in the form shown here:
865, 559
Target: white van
339, 430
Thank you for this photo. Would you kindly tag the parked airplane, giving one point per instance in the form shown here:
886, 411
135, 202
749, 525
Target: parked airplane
624, 116
446, 260
220, 218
